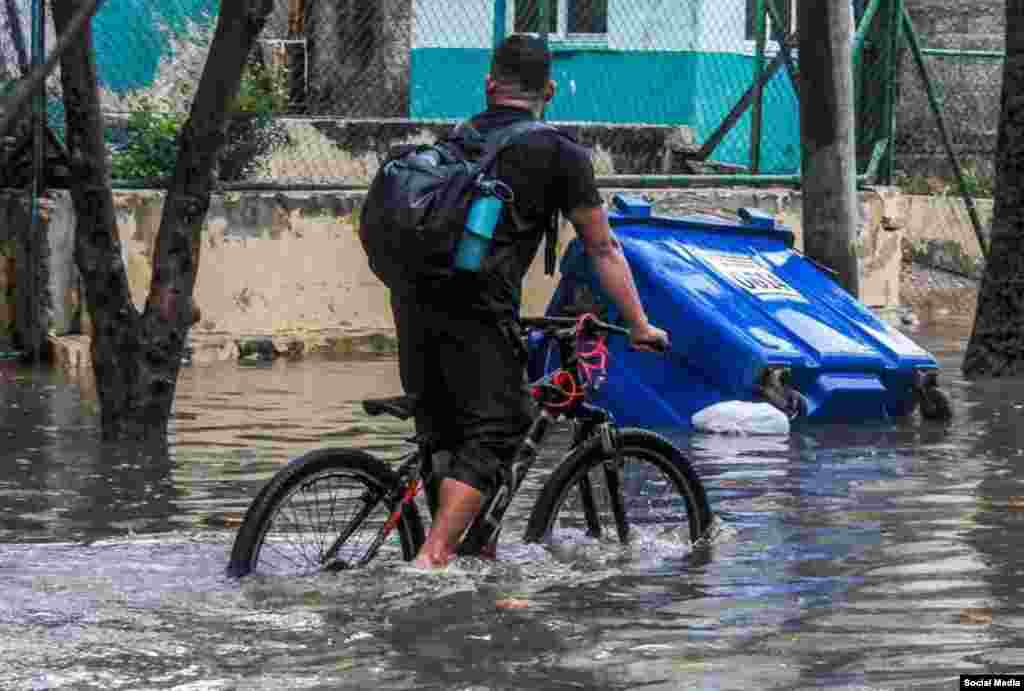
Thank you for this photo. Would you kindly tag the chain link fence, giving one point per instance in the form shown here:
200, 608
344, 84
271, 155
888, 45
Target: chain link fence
333, 81
967, 86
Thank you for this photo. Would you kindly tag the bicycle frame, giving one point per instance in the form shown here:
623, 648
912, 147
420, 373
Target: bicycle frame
588, 420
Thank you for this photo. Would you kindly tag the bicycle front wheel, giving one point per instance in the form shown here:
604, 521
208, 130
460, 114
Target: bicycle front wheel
653, 493
323, 511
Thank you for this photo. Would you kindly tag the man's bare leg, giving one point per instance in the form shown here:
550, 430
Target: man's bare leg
459, 504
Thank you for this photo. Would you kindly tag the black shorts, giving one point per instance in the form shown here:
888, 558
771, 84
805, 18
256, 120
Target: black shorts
470, 377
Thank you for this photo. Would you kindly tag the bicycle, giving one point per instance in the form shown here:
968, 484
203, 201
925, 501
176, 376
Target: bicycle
334, 509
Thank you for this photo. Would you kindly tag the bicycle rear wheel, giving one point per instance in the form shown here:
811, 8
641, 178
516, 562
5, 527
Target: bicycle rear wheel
655, 494
322, 511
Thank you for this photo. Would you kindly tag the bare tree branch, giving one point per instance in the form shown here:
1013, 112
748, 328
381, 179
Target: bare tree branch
23, 91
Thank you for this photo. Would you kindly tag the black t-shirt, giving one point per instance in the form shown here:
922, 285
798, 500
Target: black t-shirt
547, 173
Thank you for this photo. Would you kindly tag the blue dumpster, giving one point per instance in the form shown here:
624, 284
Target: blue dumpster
750, 319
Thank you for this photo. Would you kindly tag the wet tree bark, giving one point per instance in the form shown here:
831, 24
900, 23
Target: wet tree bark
829, 180
996, 347
137, 356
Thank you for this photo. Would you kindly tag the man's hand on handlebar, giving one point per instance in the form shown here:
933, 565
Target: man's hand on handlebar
648, 338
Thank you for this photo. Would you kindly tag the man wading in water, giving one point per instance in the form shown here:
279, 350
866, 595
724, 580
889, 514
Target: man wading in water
458, 344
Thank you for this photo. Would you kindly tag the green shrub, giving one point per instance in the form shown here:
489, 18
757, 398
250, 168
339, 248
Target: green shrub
150, 146
152, 142
978, 184
263, 90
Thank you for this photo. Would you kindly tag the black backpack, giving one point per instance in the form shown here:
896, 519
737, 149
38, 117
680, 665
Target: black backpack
416, 208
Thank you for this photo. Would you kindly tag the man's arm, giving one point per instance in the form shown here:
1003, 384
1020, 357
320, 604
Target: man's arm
616, 278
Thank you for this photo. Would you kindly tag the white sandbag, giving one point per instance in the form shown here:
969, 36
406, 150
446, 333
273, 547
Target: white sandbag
741, 417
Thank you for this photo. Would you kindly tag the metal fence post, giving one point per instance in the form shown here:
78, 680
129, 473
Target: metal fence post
892, 41
756, 113
38, 173
907, 30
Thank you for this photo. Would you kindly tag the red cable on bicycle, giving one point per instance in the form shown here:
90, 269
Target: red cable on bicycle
598, 350
572, 393
564, 379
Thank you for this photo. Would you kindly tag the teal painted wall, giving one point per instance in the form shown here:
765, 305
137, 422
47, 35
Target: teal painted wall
694, 89
131, 36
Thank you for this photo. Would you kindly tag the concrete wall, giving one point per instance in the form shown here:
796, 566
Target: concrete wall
940, 233
287, 270
336, 150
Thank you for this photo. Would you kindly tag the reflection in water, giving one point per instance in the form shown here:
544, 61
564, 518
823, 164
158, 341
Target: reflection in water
880, 557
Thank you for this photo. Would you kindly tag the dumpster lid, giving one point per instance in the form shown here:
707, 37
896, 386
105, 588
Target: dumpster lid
631, 209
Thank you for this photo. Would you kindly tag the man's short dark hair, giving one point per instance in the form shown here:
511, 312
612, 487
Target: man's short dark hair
522, 59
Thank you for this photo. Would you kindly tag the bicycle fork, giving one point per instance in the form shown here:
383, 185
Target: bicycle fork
598, 422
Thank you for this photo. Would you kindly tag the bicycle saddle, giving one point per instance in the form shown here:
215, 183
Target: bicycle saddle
402, 407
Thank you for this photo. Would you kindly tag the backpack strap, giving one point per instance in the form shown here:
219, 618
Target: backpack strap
494, 144
497, 142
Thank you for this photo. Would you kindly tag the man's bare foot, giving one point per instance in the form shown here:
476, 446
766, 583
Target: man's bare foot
459, 505
429, 559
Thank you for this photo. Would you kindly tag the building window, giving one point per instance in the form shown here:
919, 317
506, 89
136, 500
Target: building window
587, 16
564, 18
788, 10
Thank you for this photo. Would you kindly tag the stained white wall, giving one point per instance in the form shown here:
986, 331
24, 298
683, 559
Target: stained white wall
452, 23
657, 25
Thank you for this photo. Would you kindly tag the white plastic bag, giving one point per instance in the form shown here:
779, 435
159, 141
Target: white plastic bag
741, 417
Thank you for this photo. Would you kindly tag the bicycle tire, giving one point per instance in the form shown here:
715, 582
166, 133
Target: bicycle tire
303, 550
650, 449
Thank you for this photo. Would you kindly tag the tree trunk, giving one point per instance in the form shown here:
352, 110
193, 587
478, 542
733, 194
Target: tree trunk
359, 57
996, 347
136, 355
829, 180
326, 53
392, 54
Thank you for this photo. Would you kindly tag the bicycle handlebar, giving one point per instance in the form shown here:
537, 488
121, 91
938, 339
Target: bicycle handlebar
570, 322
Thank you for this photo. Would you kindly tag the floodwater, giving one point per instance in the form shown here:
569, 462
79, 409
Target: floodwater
885, 557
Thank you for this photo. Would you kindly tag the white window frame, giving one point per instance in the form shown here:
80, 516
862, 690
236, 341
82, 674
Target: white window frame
561, 37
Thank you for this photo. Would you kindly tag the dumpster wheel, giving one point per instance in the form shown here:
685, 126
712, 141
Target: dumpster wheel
775, 388
798, 406
933, 402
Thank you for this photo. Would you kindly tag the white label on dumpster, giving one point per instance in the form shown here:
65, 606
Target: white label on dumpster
742, 270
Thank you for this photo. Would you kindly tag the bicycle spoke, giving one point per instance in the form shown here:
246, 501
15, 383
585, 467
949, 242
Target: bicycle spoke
304, 490
322, 512
634, 501
332, 553
318, 526
320, 534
